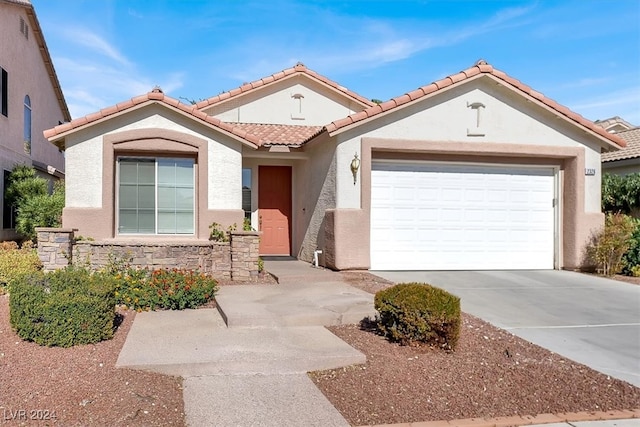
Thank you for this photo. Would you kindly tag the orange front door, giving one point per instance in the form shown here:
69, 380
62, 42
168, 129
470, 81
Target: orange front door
274, 209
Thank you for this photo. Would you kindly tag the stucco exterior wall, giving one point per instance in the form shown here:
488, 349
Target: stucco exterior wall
84, 184
445, 128
281, 103
505, 118
27, 75
20, 56
220, 200
622, 167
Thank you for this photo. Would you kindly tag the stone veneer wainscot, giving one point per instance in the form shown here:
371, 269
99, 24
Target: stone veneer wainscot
236, 259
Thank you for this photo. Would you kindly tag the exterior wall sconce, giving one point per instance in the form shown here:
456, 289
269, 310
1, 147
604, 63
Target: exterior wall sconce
355, 165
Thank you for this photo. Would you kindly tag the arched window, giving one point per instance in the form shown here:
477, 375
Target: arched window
27, 125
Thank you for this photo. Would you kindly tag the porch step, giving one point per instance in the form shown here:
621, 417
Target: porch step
316, 304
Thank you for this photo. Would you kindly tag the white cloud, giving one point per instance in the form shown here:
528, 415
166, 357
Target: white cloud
102, 76
362, 43
94, 42
624, 103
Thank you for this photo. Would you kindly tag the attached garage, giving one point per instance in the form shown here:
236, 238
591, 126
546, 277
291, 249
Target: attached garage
446, 216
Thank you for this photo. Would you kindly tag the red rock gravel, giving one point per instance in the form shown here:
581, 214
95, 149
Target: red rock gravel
492, 373
81, 386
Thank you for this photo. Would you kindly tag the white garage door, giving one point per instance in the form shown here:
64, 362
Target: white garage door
461, 217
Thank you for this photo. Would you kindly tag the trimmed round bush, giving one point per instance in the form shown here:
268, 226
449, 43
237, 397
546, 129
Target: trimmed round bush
418, 313
64, 308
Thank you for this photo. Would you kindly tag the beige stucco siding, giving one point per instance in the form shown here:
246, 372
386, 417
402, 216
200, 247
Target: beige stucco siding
505, 118
295, 101
84, 148
27, 75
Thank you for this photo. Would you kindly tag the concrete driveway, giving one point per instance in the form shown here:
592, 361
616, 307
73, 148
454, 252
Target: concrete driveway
591, 320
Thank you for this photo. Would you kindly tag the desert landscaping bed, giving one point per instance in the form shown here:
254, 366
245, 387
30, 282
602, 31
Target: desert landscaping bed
492, 373
80, 386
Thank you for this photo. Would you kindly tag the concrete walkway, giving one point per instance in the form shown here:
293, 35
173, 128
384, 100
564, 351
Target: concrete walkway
252, 369
592, 320
245, 364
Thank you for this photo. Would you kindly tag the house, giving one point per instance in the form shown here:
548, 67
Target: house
474, 171
614, 124
626, 160
30, 99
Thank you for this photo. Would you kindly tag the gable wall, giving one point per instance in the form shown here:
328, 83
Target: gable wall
275, 104
219, 164
446, 117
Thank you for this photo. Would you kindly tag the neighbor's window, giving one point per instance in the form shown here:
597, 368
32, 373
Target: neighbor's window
27, 125
3, 92
155, 196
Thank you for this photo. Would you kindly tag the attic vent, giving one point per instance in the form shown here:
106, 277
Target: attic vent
24, 28
296, 111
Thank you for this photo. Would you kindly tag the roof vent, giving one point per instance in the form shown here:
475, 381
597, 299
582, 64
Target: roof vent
157, 89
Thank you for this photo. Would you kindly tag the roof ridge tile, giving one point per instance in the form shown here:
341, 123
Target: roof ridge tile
298, 68
481, 67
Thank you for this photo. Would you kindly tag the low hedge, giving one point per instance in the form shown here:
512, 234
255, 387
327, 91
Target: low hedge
64, 308
418, 313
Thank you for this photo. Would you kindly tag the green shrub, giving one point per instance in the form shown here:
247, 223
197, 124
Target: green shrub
610, 244
64, 308
416, 313
15, 262
621, 194
174, 289
631, 258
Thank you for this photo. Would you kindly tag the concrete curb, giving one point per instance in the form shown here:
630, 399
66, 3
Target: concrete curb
526, 420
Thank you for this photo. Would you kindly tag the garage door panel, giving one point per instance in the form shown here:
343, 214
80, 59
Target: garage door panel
439, 216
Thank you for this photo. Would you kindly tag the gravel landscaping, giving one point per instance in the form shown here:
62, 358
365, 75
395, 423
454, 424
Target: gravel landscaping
492, 373
80, 386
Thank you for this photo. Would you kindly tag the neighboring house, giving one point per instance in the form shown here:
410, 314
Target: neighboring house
30, 99
626, 160
474, 171
614, 124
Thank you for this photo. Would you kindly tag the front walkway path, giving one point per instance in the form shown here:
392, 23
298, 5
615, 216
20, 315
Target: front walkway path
253, 371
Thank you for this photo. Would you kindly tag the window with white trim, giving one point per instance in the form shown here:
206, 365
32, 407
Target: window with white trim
156, 195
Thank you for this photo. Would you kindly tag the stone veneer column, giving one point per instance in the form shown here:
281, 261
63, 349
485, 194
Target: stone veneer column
55, 247
244, 255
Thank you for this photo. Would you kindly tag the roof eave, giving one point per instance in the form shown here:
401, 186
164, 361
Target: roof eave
58, 139
46, 58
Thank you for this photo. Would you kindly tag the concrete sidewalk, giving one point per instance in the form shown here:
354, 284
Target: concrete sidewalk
252, 369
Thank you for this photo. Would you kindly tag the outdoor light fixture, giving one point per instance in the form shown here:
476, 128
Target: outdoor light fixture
355, 165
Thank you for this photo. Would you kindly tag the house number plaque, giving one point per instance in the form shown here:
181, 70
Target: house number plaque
589, 171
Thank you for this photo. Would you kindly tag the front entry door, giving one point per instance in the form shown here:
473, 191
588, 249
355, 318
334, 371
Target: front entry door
274, 209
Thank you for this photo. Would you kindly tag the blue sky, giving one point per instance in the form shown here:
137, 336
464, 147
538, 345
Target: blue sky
584, 54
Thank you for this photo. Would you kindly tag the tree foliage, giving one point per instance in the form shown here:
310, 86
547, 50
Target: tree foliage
621, 193
35, 207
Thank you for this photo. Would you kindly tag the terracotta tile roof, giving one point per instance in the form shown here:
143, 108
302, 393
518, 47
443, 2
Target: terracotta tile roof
277, 134
298, 69
631, 151
155, 96
613, 122
482, 68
